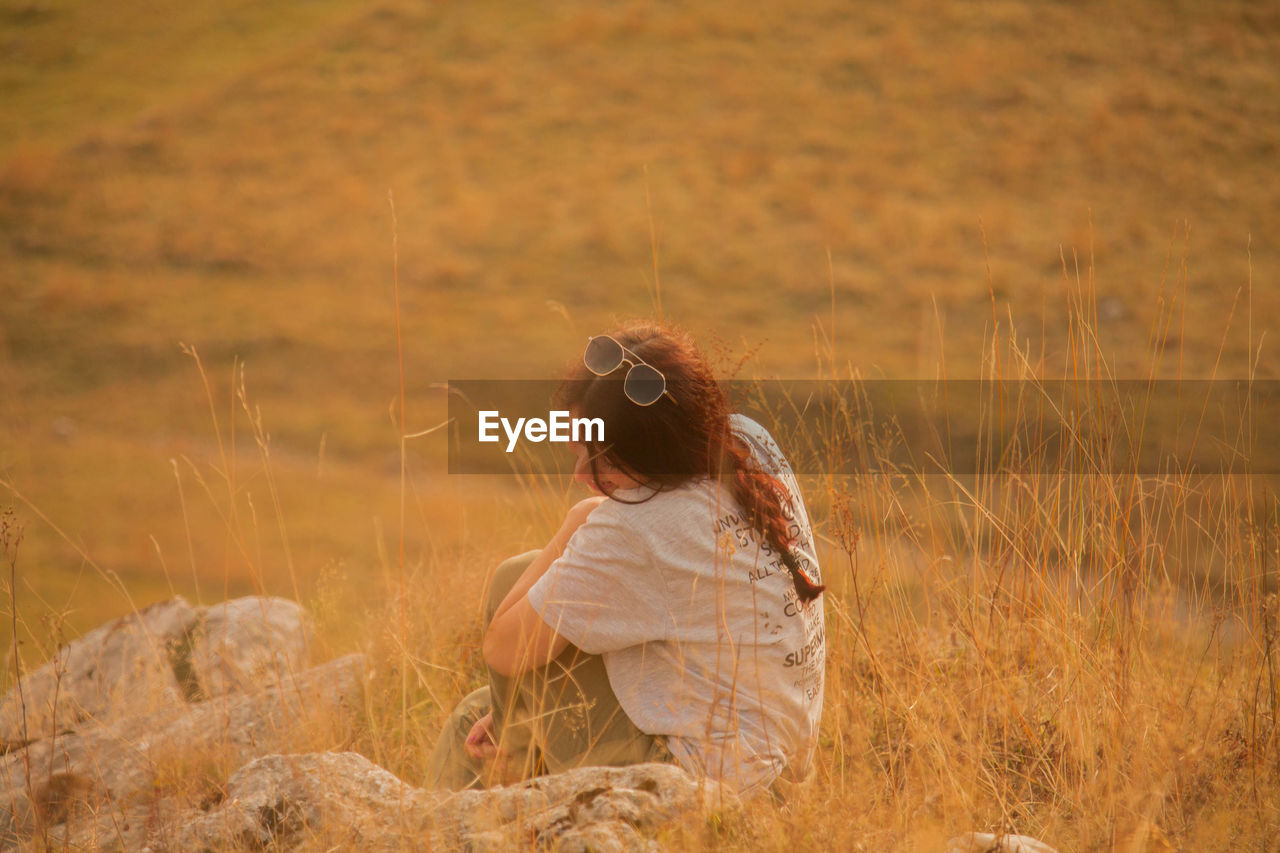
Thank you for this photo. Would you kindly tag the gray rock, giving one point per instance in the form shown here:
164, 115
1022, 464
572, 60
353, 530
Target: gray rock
121, 669
341, 799
986, 842
116, 765
301, 800
580, 809
249, 642
156, 658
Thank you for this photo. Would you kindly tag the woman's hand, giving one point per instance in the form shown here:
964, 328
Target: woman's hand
482, 743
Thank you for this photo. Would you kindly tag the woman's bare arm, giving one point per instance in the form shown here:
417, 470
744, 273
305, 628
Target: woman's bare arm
518, 640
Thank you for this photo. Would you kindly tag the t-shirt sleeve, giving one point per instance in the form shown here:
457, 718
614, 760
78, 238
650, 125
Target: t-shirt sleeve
604, 593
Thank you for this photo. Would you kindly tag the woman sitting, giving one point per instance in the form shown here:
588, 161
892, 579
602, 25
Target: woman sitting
673, 617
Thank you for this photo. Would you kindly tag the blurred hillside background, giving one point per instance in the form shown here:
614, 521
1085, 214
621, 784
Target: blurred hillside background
217, 174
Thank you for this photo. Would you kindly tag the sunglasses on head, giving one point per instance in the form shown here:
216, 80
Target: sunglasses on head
643, 385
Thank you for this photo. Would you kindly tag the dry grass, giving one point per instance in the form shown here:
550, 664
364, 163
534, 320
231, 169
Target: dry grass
1090, 659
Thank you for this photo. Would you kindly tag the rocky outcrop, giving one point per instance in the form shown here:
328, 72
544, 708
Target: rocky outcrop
105, 767
986, 842
249, 642
125, 723
325, 801
121, 669
288, 800
342, 800
93, 729
157, 658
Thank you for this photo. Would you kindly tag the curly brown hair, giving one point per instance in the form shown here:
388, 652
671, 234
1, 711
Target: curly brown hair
682, 436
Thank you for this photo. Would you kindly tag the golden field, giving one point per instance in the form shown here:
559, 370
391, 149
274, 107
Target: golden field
205, 211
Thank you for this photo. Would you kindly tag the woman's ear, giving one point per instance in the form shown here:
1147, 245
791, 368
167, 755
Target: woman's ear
593, 471
606, 477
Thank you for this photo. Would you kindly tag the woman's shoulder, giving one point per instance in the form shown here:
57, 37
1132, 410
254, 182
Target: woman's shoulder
746, 425
685, 513
761, 443
697, 502
676, 502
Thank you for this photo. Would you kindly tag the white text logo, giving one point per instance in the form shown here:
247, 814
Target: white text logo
557, 427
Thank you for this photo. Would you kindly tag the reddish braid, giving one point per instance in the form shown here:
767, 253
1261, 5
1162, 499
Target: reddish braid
681, 436
761, 498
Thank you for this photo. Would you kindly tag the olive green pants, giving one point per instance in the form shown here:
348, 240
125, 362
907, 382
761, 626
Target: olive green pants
553, 718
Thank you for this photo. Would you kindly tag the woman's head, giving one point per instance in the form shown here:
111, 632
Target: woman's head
684, 435
668, 442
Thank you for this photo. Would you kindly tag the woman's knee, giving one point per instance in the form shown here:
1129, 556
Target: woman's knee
473, 706
450, 767
504, 578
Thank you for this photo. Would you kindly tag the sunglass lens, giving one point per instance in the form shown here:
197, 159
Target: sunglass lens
603, 355
644, 385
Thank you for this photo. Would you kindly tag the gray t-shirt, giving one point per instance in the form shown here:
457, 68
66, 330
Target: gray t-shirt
703, 637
